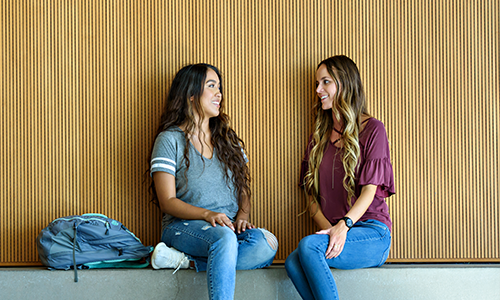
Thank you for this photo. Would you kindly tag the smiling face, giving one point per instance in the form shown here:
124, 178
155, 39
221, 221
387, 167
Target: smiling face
325, 87
211, 97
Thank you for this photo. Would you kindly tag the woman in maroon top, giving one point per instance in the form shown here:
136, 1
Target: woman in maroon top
347, 174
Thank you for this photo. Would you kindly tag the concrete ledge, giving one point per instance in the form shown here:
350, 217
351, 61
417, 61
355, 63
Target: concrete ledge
393, 281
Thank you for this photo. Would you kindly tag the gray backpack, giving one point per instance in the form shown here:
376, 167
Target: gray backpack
90, 241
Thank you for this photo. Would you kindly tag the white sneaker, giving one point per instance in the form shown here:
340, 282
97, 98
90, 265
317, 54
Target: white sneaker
164, 257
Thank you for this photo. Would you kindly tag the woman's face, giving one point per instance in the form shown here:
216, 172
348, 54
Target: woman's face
325, 87
211, 97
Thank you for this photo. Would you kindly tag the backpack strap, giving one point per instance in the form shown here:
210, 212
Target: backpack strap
95, 215
74, 253
129, 264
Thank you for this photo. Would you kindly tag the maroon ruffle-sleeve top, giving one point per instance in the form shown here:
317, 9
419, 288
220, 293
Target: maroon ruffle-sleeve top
374, 167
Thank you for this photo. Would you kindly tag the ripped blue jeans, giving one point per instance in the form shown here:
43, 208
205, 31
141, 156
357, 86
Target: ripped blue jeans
220, 251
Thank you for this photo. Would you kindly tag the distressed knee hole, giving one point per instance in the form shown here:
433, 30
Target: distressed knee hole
206, 227
270, 238
178, 233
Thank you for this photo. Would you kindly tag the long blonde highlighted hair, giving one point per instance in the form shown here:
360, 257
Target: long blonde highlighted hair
348, 107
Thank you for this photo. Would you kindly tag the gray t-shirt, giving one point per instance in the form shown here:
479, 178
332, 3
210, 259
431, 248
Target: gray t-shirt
206, 186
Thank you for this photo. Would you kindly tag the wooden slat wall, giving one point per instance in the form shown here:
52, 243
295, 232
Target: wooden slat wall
82, 85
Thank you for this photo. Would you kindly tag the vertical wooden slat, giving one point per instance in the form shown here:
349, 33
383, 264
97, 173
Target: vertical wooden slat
82, 85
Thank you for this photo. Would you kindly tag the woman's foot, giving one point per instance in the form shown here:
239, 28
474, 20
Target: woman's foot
168, 258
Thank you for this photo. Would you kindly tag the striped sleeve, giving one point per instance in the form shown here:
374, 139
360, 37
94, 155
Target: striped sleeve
163, 158
163, 164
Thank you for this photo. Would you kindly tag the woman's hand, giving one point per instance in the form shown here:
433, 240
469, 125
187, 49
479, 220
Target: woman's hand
242, 225
215, 218
243, 214
338, 234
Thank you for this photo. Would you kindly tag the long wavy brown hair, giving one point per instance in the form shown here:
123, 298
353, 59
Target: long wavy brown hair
349, 106
189, 83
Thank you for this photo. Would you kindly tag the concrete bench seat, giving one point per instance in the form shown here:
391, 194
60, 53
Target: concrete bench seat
391, 281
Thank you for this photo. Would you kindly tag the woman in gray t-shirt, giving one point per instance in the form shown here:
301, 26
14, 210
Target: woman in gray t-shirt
201, 184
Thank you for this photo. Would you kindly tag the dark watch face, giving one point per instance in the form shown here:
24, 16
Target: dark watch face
347, 221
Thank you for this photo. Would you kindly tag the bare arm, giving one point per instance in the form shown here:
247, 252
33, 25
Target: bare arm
364, 201
338, 232
169, 204
318, 216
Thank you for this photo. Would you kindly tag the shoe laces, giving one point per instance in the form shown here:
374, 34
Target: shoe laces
184, 259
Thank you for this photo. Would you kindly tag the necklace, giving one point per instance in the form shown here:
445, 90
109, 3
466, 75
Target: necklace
339, 132
335, 156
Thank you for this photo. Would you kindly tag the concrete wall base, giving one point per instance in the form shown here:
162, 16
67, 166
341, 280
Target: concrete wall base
387, 282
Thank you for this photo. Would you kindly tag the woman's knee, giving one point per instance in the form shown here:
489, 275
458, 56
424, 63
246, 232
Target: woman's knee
292, 261
313, 243
224, 238
270, 238
269, 252
264, 243
257, 249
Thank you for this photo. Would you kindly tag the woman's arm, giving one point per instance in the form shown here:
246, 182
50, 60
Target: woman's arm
317, 215
169, 204
241, 223
362, 203
338, 232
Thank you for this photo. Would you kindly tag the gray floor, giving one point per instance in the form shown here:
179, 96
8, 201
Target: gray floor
388, 282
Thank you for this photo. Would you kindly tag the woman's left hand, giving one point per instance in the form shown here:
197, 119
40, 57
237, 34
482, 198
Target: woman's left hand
241, 225
338, 234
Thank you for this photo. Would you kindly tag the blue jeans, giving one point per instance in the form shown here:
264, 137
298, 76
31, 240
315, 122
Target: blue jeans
367, 245
220, 251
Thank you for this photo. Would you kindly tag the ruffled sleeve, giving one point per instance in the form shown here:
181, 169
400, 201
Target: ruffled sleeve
376, 168
378, 172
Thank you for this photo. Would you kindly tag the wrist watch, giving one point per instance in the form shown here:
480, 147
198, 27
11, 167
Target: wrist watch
348, 222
